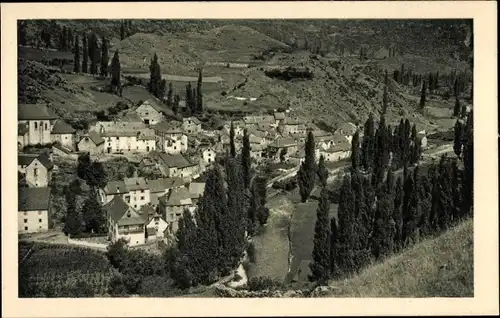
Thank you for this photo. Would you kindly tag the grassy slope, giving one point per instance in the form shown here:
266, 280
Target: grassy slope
439, 267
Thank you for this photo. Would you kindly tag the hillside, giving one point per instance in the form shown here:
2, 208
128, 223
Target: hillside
439, 267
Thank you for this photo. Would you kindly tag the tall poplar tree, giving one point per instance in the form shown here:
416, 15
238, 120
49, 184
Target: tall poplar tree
307, 171
85, 60
199, 93
231, 140
104, 57
246, 159
321, 264
355, 151
77, 65
115, 72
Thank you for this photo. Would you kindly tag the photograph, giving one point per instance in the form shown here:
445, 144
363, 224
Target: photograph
190, 158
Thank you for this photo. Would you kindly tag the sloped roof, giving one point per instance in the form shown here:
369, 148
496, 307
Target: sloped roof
122, 213
61, 127
115, 187
339, 147
27, 159
30, 199
34, 112
179, 196
133, 184
62, 148
348, 129
176, 161
290, 121
168, 127
154, 104
94, 137
279, 116
131, 117
196, 189
195, 120
283, 142
160, 185
338, 138
22, 129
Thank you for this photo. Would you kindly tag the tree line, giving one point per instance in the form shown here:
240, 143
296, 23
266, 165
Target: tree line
378, 217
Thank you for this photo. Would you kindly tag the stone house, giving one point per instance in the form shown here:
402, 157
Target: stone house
289, 126
91, 143
209, 155
138, 192
38, 121
63, 134
128, 141
170, 137
160, 187
125, 222
281, 148
191, 125
279, 117
151, 112
337, 152
34, 210
177, 166
173, 205
37, 169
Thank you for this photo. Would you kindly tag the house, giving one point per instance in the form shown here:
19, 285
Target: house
121, 141
337, 152
281, 148
125, 222
339, 138
209, 155
111, 190
22, 135
121, 125
131, 117
160, 187
151, 112
138, 192
33, 210
173, 205
423, 139
63, 134
92, 143
323, 139
299, 156
191, 125
258, 152
61, 151
37, 169
156, 226
170, 137
381, 54
238, 126
289, 126
38, 120
177, 165
279, 117
348, 130
196, 190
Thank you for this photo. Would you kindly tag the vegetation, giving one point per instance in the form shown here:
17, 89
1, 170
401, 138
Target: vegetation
307, 172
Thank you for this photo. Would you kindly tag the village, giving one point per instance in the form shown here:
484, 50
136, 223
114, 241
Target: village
142, 210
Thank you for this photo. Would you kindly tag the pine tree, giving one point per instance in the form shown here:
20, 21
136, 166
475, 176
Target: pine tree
85, 60
104, 57
246, 159
322, 172
355, 151
457, 144
115, 72
422, 95
320, 266
231, 140
307, 171
77, 65
93, 214
199, 93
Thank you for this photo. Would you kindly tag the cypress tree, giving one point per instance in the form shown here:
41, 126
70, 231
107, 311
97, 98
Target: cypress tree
444, 201
345, 248
246, 159
355, 149
334, 247
21, 33
457, 144
189, 97
170, 95
94, 54
383, 233
321, 264
122, 31
93, 214
322, 172
463, 112
69, 39
410, 199
104, 57
457, 108
367, 146
115, 72
362, 218
199, 95
73, 224
468, 173
77, 65
231, 140
422, 95
398, 214
384, 101
175, 106
85, 55
154, 84
307, 171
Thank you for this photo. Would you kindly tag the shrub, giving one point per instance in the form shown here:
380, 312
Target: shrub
263, 283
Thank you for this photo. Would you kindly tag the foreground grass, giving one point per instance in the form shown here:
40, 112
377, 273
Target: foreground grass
439, 267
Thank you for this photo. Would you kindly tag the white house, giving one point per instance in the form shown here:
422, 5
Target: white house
337, 152
138, 192
33, 210
209, 155
151, 112
125, 222
129, 141
63, 134
170, 137
191, 125
36, 169
38, 121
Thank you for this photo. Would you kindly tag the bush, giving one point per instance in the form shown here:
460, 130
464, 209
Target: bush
263, 283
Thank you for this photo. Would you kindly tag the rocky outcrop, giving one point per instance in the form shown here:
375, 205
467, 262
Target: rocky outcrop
320, 291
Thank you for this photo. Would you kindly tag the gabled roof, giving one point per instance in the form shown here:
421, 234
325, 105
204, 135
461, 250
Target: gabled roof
122, 213
32, 199
61, 127
62, 148
168, 127
176, 161
154, 104
34, 112
179, 196
160, 185
347, 129
27, 159
196, 189
195, 120
22, 129
115, 187
94, 137
338, 138
131, 117
338, 147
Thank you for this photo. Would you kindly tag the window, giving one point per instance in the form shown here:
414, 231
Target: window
25, 228
35, 172
25, 213
142, 198
25, 220
36, 125
135, 206
39, 220
39, 212
46, 126
142, 191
